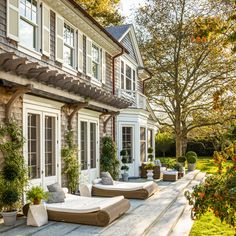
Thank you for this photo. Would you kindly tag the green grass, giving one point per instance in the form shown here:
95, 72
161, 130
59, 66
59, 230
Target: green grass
209, 224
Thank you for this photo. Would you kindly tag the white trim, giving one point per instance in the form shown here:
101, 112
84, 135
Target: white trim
42, 109
45, 28
69, 69
61, 37
16, 38
29, 51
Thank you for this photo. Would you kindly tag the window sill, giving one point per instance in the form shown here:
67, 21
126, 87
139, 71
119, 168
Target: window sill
70, 70
96, 82
30, 52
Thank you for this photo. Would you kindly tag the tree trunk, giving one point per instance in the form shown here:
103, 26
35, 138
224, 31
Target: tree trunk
178, 145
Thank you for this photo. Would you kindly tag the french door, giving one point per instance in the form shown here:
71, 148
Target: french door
88, 145
42, 147
128, 145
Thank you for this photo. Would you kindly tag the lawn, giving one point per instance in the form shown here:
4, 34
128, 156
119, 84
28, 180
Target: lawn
209, 224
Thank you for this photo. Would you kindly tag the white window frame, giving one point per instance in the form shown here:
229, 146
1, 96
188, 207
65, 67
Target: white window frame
132, 141
133, 72
73, 66
43, 107
99, 63
36, 25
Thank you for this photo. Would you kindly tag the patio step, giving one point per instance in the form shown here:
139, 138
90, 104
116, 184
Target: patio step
142, 219
173, 215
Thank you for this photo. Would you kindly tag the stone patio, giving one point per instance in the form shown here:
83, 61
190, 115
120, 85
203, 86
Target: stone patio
165, 213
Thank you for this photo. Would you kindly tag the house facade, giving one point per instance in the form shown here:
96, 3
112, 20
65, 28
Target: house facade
135, 125
59, 70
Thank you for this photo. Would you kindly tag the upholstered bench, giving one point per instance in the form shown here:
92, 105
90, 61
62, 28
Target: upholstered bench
170, 175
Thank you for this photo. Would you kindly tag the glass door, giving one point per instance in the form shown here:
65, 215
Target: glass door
127, 144
88, 150
42, 151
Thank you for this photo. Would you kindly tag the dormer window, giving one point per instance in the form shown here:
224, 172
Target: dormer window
28, 23
69, 45
95, 61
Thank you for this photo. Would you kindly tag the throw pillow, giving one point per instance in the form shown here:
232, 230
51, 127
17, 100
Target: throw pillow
107, 181
56, 197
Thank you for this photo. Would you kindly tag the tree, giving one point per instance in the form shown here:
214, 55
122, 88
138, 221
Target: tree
186, 47
164, 141
104, 11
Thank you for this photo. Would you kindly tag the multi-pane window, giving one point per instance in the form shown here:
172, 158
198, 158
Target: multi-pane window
95, 61
127, 142
122, 75
127, 77
28, 23
93, 145
83, 145
69, 45
33, 146
150, 138
142, 144
50, 167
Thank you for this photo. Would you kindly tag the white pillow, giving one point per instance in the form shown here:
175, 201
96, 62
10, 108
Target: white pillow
97, 181
85, 190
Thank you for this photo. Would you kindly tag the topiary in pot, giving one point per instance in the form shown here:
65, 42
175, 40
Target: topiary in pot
36, 194
9, 198
191, 162
149, 167
180, 170
191, 153
150, 152
182, 160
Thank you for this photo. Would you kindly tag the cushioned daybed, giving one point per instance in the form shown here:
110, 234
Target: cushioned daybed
128, 190
86, 210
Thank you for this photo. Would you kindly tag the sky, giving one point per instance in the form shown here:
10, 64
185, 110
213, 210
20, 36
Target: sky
127, 7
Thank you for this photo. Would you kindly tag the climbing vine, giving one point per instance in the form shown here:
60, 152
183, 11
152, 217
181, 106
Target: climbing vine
109, 160
13, 176
71, 164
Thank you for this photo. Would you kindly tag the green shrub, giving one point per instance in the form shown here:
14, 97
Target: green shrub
168, 162
149, 166
124, 160
109, 161
9, 198
10, 172
191, 153
178, 167
123, 152
181, 159
124, 167
191, 159
150, 150
150, 157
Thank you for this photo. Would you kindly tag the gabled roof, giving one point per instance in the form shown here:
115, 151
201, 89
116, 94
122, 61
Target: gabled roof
118, 31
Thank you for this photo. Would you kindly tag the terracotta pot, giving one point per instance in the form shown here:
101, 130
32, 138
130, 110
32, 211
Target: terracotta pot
37, 201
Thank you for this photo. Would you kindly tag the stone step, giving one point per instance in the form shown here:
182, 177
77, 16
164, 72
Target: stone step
184, 225
138, 221
164, 225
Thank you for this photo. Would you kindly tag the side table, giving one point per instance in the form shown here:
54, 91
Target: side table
37, 215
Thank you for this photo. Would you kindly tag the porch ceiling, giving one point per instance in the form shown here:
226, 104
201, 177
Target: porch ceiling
34, 73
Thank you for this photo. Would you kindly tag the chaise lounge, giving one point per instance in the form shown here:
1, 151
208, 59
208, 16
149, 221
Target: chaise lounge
128, 190
86, 210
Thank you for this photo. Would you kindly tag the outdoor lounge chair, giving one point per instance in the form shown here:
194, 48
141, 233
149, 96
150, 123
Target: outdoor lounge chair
128, 190
87, 210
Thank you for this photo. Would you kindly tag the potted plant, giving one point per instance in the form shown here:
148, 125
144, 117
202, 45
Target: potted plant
9, 199
182, 160
180, 170
124, 167
149, 167
150, 154
36, 194
191, 163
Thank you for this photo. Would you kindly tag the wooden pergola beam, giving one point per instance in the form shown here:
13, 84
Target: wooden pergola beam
110, 114
76, 108
18, 93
